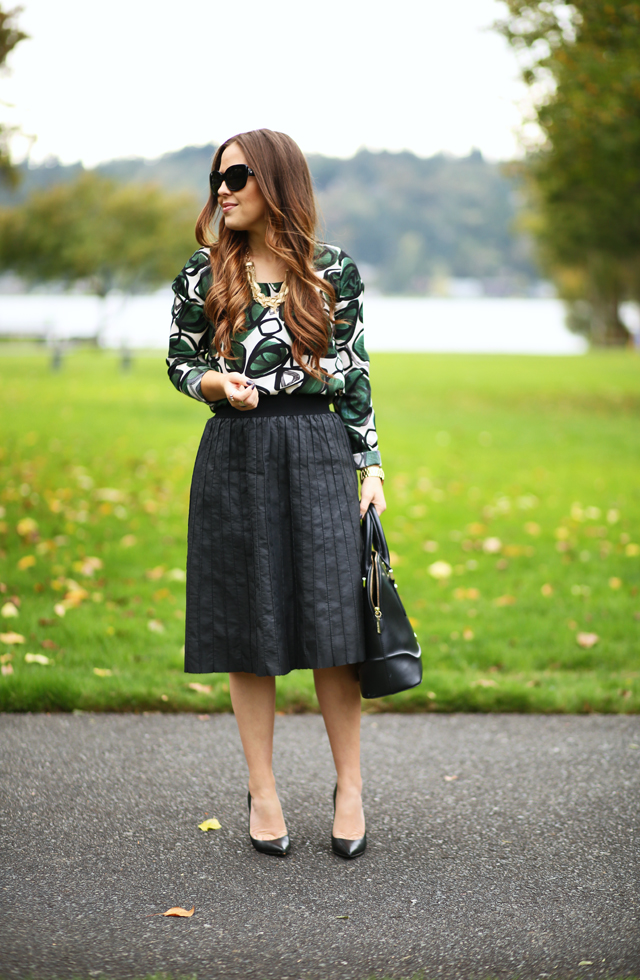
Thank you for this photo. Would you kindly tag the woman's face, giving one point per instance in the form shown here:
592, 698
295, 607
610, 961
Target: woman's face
246, 209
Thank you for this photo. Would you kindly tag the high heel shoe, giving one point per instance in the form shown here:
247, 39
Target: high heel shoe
278, 847
347, 848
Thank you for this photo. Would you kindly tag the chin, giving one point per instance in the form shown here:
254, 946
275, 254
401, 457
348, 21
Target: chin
234, 222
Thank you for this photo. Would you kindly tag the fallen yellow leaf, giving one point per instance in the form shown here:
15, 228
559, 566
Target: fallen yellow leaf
467, 634
546, 589
440, 570
128, 541
26, 526
11, 638
9, 610
37, 658
211, 824
155, 626
26, 562
504, 600
153, 574
513, 550
6, 669
74, 597
476, 529
200, 688
88, 566
449, 779
587, 640
414, 622
102, 671
615, 583
491, 546
466, 593
183, 913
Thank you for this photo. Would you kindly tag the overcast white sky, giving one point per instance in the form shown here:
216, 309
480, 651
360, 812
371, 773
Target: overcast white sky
139, 78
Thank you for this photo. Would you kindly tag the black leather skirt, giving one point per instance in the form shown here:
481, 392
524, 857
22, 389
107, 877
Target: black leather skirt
273, 567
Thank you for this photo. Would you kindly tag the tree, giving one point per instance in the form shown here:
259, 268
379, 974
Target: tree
9, 37
92, 229
582, 62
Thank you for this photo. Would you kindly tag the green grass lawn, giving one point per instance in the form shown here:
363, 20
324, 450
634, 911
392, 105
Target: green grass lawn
516, 478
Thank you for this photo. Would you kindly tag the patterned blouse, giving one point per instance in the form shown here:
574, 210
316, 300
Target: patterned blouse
262, 352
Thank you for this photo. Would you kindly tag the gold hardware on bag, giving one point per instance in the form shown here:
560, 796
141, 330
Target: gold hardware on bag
374, 602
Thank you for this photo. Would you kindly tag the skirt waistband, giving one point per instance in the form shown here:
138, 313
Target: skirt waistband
280, 404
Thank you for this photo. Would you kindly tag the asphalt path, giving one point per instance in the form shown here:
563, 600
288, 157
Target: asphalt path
499, 845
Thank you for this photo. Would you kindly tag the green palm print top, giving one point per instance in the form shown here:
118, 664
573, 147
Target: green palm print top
262, 352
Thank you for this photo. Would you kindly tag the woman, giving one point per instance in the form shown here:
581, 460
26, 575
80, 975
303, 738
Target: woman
267, 329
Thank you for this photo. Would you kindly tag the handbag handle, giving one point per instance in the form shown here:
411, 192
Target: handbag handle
373, 535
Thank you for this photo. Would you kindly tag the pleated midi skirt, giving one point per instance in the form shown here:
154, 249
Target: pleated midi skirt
273, 565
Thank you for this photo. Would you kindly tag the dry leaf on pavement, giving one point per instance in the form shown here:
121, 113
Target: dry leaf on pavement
211, 824
182, 913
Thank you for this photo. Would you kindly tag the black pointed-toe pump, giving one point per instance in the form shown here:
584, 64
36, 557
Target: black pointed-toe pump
347, 848
278, 847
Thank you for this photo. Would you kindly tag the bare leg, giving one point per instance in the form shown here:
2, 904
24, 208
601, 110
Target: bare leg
339, 697
254, 700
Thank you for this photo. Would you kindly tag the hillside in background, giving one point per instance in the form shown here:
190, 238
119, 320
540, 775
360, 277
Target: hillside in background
440, 225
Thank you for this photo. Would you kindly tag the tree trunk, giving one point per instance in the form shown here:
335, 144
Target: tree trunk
607, 328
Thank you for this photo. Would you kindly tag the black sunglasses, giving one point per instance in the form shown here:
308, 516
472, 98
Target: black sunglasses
234, 177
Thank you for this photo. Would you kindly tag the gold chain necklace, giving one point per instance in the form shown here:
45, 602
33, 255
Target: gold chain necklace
270, 302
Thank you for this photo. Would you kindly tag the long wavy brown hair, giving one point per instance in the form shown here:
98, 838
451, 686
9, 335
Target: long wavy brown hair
284, 179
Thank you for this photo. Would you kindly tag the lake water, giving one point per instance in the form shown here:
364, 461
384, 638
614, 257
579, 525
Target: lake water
392, 323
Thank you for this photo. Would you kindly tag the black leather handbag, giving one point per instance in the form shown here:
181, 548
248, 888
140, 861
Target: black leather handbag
392, 661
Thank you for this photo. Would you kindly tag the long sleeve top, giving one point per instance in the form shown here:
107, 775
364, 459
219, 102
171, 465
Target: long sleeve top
262, 352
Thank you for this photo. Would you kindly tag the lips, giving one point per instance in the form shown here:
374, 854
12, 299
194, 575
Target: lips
226, 208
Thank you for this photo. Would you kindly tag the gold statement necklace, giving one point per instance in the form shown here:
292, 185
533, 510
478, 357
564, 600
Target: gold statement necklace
269, 302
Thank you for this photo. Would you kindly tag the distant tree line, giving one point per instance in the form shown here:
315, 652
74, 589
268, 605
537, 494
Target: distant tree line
583, 63
411, 223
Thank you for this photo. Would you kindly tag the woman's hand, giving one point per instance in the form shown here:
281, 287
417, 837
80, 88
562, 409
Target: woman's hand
372, 492
240, 392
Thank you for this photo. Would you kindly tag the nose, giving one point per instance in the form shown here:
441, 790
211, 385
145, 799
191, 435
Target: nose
223, 190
